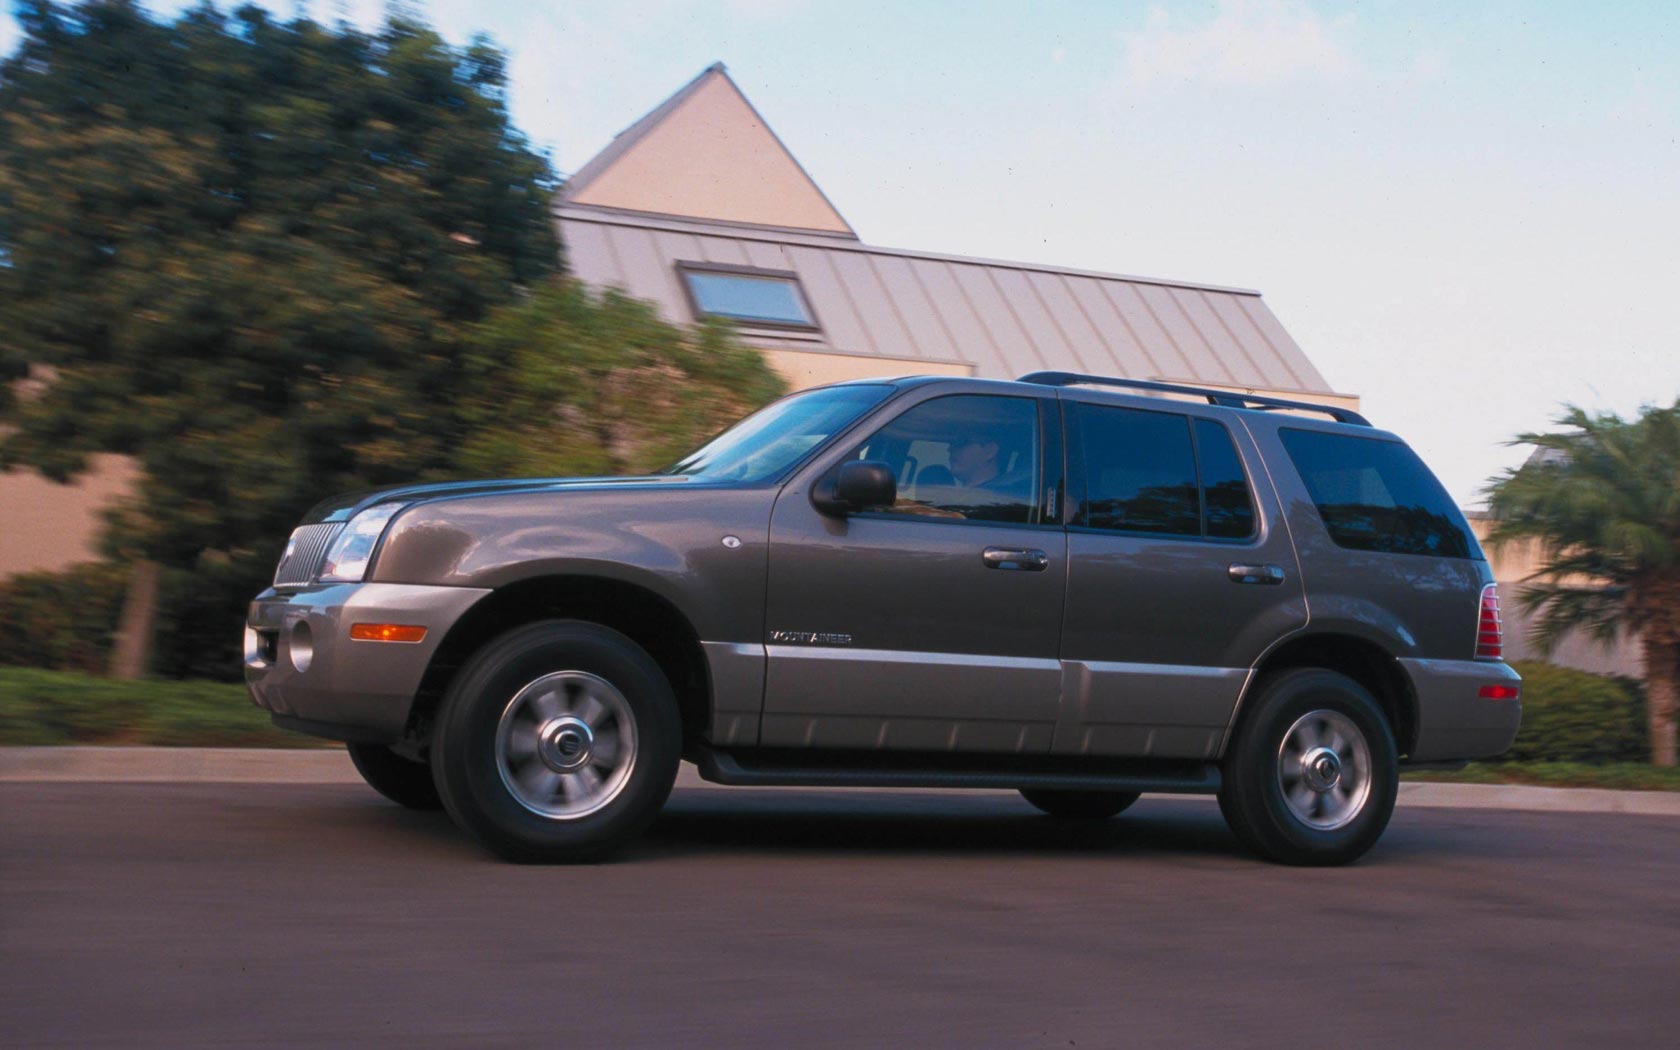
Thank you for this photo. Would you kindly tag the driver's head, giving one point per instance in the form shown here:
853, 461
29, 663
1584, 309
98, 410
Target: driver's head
974, 459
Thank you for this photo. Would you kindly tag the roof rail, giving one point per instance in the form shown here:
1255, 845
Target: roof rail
1228, 398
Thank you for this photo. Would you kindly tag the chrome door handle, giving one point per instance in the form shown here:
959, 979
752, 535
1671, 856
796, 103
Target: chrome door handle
1016, 558
1262, 574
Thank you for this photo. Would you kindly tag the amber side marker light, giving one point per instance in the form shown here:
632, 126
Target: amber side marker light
386, 632
1498, 692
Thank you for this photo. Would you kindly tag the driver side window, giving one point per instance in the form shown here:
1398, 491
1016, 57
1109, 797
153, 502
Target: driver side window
967, 457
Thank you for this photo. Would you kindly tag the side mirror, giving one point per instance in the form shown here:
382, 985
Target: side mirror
854, 487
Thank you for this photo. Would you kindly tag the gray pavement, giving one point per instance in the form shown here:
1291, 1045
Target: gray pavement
269, 913
332, 766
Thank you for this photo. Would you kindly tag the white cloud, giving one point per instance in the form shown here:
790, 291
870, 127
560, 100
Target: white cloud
10, 34
1248, 42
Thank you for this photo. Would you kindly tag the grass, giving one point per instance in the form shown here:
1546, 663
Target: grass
1622, 776
59, 707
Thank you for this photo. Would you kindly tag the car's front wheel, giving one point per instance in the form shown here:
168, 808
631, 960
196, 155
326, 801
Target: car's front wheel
1312, 775
559, 741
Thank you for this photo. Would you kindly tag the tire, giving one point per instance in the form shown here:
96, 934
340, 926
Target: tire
557, 742
1080, 805
1295, 808
402, 780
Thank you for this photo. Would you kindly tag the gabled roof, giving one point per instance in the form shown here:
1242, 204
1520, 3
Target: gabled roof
705, 153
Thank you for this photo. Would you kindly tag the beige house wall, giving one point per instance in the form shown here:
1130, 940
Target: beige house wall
806, 368
713, 158
46, 526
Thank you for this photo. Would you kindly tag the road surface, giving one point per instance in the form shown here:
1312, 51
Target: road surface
286, 914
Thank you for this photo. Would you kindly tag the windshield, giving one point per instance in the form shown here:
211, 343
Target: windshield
772, 439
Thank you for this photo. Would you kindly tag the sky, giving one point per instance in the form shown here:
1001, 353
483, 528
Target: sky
1467, 214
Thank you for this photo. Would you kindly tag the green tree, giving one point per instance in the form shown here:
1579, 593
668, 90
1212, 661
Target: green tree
1603, 497
574, 382
251, 255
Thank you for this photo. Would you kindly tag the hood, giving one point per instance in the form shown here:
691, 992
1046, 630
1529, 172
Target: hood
344, 506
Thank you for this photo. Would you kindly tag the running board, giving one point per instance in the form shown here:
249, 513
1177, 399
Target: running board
875, 769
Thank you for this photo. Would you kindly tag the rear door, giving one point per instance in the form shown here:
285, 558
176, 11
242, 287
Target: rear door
1180, 574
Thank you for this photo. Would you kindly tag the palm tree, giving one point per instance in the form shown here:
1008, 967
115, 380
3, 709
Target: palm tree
1603, 499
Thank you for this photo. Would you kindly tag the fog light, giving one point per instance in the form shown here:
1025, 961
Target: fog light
253, 648
302, 647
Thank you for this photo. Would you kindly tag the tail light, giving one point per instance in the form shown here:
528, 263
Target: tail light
1490, 636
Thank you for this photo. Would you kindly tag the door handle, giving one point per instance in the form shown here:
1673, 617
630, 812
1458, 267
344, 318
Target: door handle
1270, 575
1015, 558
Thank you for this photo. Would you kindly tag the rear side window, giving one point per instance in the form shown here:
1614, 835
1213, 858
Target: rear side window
1151, 472
1377, 495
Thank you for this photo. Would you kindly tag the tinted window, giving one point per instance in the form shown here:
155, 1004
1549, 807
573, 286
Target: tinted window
749, 297
1140, 471
1377, 495
967, 457
1225, 496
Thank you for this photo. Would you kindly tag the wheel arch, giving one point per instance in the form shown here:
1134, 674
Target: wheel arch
1363, 660
638, 613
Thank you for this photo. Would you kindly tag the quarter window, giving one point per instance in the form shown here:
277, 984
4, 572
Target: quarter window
765, 297
1376, 495
962, 458
1162, 473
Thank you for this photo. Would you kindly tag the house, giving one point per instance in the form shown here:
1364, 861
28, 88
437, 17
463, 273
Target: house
701, 209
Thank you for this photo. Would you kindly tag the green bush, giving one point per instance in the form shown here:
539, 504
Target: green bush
65, 621
1573, 716
62, 620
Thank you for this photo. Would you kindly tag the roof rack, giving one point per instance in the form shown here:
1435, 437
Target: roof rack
1228, 398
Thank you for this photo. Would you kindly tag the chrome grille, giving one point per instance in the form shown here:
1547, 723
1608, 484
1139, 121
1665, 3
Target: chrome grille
303, 553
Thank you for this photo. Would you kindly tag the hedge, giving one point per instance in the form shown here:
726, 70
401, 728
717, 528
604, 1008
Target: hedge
66, 620
1573, 716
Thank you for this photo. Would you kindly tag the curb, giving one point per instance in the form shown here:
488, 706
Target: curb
245, 765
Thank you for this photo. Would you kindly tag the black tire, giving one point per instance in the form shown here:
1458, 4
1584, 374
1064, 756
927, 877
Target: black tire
487, 702
1080, 805
402, 780
1323, 825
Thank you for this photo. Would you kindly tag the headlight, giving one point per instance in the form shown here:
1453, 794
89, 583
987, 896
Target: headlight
347, 558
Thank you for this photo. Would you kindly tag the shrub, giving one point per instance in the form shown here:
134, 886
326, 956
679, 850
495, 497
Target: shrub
65, 621
1573, 716
62, 620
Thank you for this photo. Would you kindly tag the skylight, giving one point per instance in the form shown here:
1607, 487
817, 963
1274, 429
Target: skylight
754, 297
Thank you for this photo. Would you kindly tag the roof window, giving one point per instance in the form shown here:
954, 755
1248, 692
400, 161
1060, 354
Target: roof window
770, 298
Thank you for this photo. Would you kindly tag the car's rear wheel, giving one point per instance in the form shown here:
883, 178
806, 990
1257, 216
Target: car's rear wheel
1312, 775
559, 741
402, 780
1079, 805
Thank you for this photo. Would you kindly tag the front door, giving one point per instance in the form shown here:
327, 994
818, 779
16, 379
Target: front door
932, 624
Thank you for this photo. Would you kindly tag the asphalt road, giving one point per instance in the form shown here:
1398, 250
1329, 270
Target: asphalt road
273, 914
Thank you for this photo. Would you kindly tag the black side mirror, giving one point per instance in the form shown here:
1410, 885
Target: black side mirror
854, 487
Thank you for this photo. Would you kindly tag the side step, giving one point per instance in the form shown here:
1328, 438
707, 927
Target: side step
767, 768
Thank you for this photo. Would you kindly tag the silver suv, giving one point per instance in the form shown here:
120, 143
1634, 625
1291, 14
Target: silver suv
1076, 587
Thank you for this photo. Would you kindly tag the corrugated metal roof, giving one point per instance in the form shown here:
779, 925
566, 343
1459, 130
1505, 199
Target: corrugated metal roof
1004, 318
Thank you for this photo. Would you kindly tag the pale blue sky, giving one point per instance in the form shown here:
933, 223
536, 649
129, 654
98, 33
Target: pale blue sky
1465, 213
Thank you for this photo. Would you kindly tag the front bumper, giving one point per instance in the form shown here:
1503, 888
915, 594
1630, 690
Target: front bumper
302, 665
1453, 721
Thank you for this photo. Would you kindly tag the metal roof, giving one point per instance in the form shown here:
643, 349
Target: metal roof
1003, 318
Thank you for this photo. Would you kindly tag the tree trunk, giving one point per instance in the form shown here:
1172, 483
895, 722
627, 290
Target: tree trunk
1662, 682
131, 656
